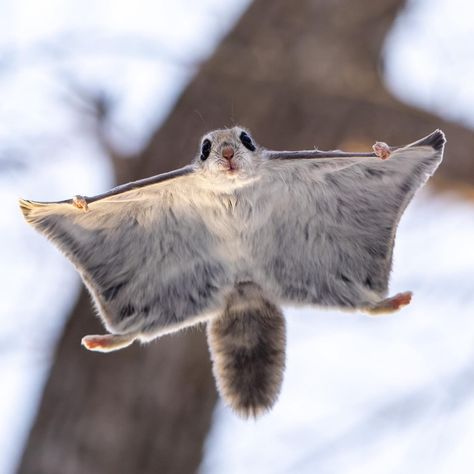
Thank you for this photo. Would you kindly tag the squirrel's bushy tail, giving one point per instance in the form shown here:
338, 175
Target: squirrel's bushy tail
247, 344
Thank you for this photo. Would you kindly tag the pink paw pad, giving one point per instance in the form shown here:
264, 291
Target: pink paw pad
381, 150
400, 300
96, 342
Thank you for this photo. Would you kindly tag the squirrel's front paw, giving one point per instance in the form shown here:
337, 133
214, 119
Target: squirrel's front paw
80, 202
382, 150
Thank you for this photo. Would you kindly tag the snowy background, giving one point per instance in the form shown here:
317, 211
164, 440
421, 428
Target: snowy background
369, 395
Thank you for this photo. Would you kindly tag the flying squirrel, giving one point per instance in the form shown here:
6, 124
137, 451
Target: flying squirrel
230, 238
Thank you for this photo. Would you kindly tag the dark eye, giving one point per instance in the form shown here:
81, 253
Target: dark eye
247, 141
205, 149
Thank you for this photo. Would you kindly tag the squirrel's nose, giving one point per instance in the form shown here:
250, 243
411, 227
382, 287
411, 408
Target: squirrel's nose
228, 152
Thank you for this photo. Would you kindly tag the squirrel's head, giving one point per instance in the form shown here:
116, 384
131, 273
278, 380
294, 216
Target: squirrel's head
227, 151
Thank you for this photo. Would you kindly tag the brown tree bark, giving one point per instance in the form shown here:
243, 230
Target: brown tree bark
298, 74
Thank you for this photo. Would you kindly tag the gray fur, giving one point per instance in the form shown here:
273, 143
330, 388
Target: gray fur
247, 345
307, 228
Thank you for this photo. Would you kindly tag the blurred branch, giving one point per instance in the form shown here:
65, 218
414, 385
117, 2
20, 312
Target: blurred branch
16, 155
10, 163
97, 106
73, 44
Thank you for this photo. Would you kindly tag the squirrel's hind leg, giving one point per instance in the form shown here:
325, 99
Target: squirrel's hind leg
390, 305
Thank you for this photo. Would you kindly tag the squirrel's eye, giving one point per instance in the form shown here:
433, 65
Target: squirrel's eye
205, 149
247, 141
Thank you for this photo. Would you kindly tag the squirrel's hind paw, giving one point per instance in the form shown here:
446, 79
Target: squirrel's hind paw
107, 342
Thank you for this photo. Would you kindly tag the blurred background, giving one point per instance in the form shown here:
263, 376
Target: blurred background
95, 93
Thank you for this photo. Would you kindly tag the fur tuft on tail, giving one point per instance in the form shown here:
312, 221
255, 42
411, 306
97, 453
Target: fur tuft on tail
247, 345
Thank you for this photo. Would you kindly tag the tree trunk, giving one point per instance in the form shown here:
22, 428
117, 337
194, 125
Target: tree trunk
298, 74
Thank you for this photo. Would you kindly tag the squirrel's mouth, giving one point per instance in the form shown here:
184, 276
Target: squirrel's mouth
230, 167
